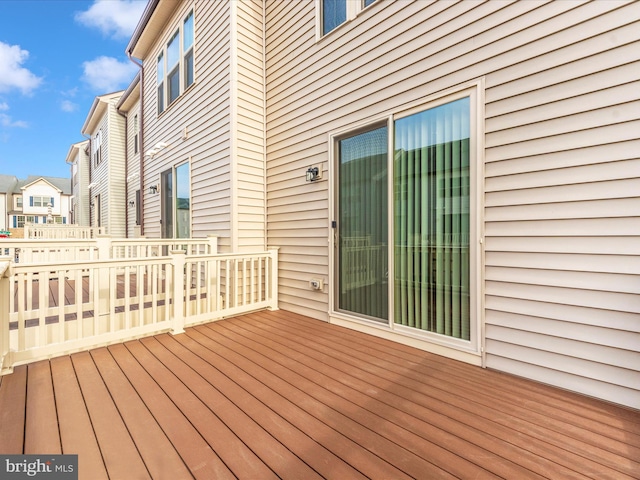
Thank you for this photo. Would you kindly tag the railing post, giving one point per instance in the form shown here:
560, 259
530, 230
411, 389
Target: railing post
273, 301
213, 244
178, 260
103, 242
6, 365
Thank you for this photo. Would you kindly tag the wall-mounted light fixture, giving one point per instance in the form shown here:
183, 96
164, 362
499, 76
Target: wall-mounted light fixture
92, 204
153, 189
131, 203
313, 174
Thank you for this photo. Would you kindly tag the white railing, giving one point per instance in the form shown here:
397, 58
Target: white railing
103, 247
57, 231
52, 309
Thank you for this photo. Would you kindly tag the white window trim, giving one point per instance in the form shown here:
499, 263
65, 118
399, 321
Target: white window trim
471, 351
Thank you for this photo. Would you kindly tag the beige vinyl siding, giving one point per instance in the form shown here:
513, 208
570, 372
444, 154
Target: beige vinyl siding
133, 169
561, 166
249, 133
100, 176
82, 197
115, 159
203, 113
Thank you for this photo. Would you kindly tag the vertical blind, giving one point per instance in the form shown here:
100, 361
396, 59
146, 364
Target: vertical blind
362, 223
431, 220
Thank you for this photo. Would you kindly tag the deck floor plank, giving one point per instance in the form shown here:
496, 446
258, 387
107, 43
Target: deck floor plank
544, 441
366, 429
41, 429
270, 451
240, 459
481, 442
76, 432
157, 452
339, 444
202, 461
309, 451
13, 401
277, 394
121, 457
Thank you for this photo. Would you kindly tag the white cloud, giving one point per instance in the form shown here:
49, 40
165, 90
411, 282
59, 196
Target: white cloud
68, 106
7, 121
115, 18
107, 74
12, 74
4, 106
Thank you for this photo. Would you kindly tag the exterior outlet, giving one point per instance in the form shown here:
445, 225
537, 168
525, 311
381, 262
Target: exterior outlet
316, 283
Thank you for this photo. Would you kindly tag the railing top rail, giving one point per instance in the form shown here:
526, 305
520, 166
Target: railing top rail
84, 265
159, 241
45, 242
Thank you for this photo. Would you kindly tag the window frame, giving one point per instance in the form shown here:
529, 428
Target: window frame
468, 350
136, 131
352, 10
167, 75
96, 148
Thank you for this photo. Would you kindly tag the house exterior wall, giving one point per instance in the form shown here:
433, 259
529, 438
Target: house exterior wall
108, 177
115, 155
559, 82
3, 211
82, 197
226, 163
43, 189
133, 171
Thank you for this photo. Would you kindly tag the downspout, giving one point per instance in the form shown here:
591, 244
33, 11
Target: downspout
126, 172
140, 141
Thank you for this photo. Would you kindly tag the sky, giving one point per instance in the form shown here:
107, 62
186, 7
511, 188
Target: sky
56, 56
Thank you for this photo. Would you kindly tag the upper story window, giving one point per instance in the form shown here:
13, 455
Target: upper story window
96, 148
175, 64
19, 201
334, 13
136, 131
39, 201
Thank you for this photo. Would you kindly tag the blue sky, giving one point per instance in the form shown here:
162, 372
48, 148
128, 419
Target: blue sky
55, 57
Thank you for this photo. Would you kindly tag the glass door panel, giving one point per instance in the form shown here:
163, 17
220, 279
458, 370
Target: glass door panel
183, 202
362, 225
431, 220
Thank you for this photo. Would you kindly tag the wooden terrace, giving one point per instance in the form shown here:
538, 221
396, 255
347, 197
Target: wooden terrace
274, 394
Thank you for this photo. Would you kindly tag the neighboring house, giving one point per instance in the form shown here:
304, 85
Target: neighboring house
105, 128
129, 106
7, 202
203, 109
78, 159
458, 176
40, 200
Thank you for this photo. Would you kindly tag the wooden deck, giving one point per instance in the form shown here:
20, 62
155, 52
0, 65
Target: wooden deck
275, 394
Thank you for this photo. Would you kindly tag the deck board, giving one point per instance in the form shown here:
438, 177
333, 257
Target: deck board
76, 432
119, 452
13, 400
279, 395
41, 426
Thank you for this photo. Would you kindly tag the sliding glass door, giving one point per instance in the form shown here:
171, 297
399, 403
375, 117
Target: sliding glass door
429, 198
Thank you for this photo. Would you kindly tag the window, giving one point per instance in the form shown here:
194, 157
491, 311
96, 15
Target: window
39, 201
19, 202
175, 64
405, 220
334, 13
136, 131
96, 148
160, 88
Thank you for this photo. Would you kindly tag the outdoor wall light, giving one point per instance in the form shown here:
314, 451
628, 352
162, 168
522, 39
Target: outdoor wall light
153, 189
131, 203
313, 174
